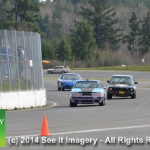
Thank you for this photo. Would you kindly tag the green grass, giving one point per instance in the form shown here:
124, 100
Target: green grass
101, 79
117, 68
5, 87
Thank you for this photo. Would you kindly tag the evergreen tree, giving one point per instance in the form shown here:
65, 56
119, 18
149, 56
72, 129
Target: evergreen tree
34, 2
82, 40
64, 50
26, 16
132, 38
145, 35
97, 54
55, 30
5, 16
58, 9
45, 26
48, 50
26, 11
100, 16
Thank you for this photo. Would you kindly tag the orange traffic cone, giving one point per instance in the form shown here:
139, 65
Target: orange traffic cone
45, 130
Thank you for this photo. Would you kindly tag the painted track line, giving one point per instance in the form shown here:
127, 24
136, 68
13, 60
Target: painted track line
87, 131
54, 104
35, 108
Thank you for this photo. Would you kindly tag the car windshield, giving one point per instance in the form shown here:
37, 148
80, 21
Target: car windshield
122, 80
71, 77
88, 84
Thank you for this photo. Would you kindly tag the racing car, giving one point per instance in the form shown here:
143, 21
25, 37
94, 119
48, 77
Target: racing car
122, 86
67, 81
88, 92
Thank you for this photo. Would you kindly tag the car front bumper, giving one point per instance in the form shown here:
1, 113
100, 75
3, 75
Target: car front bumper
86, 100
121, 94
67, 85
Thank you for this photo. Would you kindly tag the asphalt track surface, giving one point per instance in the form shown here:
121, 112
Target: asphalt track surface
104, 74
121, 117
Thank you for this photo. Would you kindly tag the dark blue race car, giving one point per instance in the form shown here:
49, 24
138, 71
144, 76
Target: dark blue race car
67, 80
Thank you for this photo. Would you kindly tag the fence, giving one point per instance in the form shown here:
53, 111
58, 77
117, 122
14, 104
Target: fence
20, 61
99, 63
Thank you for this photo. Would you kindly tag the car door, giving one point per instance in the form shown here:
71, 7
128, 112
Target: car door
60, 80
60, 69
56, 69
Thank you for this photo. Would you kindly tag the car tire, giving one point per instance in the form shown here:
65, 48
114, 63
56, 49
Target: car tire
50, 72
133, 96
62, 88
58, 87
109, 96
72, 104
102, 103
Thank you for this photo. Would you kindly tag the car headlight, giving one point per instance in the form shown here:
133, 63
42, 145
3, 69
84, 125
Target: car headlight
131, 90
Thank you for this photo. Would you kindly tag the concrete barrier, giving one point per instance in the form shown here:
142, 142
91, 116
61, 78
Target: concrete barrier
24, 99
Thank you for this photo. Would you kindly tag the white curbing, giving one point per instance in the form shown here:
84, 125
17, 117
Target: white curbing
24, 99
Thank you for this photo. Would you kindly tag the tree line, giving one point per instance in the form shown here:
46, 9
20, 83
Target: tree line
20, 15
96, 31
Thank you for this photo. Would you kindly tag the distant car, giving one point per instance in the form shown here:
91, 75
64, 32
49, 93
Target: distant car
122, 86
67, 80
88, 92
59, 69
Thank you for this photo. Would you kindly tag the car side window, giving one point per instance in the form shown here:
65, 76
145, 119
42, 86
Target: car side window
61, 77
101, 85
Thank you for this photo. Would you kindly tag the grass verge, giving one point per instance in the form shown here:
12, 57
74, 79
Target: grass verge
117, 68
101, 79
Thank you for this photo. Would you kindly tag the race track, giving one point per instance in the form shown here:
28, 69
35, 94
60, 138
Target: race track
123, 117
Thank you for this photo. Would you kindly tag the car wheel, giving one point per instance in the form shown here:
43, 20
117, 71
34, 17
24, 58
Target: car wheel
72, 104
109, 96
62, 87
50, 72
58, 87
102, 103
133, 96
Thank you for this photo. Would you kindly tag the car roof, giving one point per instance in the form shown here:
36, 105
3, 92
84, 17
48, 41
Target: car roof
88, 80
124, 75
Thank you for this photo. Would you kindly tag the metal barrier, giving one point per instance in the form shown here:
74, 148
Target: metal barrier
20, 61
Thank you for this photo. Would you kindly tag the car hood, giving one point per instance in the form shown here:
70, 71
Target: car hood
70, 81
121, 85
